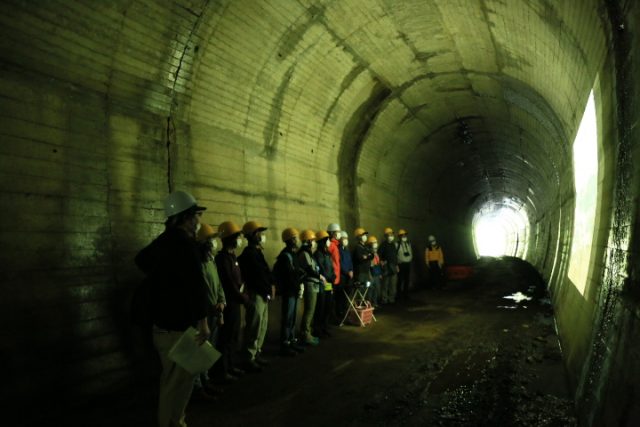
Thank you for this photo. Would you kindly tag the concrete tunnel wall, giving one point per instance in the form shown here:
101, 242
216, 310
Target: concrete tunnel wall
301, 113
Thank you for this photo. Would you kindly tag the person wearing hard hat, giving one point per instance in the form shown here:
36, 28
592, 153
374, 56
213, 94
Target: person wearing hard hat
259, 286
435, 261
389, 262
232, 283
312, 282
346, 275
208, 245
289, 281
334, 251
178, 298
405, 256
376, 271
325, 293
362, 257
346, 263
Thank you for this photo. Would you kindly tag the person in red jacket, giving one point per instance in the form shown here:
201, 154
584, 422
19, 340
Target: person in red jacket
334, 252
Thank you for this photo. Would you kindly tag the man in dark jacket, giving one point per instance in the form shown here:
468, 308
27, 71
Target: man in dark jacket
232, 284
289, 277
324, 302
389, 260
258, 283
362, 257
178, 298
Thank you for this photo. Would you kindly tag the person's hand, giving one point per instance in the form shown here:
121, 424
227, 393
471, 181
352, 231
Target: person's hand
246, 301
203, 331
397, 269
219, 307
220, 320
350, 274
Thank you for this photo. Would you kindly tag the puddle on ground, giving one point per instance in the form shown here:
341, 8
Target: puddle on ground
518, 297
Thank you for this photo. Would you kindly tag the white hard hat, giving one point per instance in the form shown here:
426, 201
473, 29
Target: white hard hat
180, 201
333, 227
432, 238
344, 235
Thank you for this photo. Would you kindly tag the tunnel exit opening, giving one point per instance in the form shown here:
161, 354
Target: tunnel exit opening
501, 229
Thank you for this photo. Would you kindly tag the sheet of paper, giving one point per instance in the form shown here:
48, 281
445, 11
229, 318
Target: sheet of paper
192, 357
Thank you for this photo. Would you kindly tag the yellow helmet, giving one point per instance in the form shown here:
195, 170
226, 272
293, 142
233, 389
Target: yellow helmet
205, 232
321, 235
371, 240
289, 233
228, 229
360, 231
307, 235
388, 230
402, 232
251, 227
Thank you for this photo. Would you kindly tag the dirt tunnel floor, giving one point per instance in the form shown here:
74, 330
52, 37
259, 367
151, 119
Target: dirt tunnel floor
461, 356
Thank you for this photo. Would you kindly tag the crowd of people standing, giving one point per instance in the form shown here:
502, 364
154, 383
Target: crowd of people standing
195, 283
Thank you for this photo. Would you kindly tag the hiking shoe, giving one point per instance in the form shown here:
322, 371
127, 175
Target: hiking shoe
237, 372
252, 367
261, 361
312, 341
297, 347
287, 352
201, 395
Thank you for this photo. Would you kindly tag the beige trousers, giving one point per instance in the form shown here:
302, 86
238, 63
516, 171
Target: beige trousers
176, 384
256, 323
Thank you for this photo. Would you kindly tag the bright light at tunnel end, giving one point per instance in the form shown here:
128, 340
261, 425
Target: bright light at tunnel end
500, 229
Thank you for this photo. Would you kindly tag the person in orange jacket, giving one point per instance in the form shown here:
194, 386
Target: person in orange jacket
435, 261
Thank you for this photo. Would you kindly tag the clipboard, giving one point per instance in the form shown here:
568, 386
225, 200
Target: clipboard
192, 357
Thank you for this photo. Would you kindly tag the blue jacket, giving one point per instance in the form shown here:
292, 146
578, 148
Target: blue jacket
346, 264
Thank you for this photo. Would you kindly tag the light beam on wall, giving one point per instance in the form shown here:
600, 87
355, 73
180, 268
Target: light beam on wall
585, 167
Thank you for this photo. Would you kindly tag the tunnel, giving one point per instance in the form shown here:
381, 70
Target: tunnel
425, 115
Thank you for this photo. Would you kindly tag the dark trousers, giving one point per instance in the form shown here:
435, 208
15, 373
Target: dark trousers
435, 275
288, 319
228, 338
340, 303
404, 278
324, 308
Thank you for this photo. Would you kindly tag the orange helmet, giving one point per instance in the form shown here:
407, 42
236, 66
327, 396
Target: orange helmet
289, 233
388, 230
205, 232
371, 240
228, 229
402, 232
360, 231
307, 235
321, 235
251, 227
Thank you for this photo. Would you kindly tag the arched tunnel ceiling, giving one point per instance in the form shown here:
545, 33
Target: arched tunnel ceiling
391, 84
